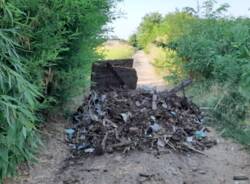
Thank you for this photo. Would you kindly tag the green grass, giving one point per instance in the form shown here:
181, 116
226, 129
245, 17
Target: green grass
116, 50
208, 97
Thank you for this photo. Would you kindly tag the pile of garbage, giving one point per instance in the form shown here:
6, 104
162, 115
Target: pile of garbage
121, 121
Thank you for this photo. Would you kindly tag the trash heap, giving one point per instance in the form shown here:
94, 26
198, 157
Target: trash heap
121, 121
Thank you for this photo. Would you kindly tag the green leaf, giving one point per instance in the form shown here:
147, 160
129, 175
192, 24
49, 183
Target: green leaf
24, 131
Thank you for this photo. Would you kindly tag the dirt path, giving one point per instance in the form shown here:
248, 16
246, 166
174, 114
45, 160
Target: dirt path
217, 166
148, 77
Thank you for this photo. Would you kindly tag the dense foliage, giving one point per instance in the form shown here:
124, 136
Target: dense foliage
154, 27
217, 52
17, 100
156, 30
59, 37
46, 51
148, 29
213, 50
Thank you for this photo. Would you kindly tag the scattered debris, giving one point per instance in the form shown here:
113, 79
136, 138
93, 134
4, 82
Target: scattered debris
240, 178
154, 128
126, 116
125, 120
89, 150
200, 134
154, 104
146, 175
70, 132
190, 139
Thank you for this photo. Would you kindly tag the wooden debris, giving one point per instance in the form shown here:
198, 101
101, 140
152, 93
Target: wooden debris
113, 121
179, 88
154, 103
128, 63
240, 178
146, 175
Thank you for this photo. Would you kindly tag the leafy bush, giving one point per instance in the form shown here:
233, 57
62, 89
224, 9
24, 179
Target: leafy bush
148, 29
59, 38
156, 28
46, 51
133, 40
217, 50
18, 140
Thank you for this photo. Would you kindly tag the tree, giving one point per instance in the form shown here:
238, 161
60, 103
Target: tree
147, 30
133, 40
207, 9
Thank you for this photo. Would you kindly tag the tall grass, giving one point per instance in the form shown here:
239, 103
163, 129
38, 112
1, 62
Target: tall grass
216, 101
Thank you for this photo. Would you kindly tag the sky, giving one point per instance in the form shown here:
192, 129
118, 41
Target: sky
134, 10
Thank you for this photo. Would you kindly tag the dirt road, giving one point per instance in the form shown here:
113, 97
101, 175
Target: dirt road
218, 165
148, 76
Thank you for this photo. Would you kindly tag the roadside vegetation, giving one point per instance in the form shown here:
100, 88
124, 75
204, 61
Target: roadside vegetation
46, 49
116, 49
213, 50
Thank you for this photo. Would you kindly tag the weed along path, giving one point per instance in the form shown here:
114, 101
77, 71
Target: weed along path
224, 163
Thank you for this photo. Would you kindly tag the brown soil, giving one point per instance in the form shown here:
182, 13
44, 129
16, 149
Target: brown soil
218, 166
